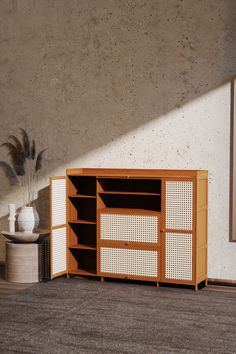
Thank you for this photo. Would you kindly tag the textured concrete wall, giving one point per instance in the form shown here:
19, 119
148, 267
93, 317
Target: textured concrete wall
123, 83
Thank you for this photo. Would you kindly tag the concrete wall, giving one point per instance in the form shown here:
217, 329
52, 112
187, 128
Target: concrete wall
123, 83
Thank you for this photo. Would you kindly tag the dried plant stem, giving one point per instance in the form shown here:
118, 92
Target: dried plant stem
25, 163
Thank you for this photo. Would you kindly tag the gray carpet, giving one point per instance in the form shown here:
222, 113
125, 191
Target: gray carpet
84, 316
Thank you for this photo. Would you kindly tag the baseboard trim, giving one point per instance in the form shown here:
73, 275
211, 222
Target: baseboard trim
223, 282
210, 281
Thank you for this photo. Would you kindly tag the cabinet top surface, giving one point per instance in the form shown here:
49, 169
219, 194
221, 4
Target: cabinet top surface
123, 172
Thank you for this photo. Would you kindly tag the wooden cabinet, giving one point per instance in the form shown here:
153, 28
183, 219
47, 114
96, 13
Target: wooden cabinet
133, 224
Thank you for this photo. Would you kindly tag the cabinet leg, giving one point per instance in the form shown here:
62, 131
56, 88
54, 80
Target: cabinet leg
102, 279
206, 282
68, 276
157, 284
196, 287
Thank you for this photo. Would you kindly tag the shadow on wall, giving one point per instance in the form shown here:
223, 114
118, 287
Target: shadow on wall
81, 74
42, 205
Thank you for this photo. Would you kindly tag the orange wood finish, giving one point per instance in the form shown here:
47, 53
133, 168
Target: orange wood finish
76, 262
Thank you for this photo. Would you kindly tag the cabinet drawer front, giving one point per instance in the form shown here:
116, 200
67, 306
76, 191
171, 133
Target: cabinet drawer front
179, 205
129, 262
133, 228
178, 256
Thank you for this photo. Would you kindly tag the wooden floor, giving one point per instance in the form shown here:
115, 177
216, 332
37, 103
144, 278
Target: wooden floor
7, 288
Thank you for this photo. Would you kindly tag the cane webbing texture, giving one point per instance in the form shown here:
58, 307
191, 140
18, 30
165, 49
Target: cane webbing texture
178, 256
134, 228
179, 197
58, 202
58, 250
129, 262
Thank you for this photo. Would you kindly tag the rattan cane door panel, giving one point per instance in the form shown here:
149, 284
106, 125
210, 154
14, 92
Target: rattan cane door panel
58, 243
58, 239
179, 205
178, 256
130, 262
58, 202
130, 228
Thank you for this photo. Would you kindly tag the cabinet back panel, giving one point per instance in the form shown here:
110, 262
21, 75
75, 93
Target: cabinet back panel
132, 201
84, 233
84, 185
84, 258
130, 185
85, 208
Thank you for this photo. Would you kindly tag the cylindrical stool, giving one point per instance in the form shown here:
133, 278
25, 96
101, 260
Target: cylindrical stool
22, 262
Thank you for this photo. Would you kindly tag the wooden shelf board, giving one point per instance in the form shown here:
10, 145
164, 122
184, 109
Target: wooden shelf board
130, 193
82, 221
83, 271
82, 196
84, 246
129, 211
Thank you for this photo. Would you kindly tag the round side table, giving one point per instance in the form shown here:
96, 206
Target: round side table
23, 256
22, 262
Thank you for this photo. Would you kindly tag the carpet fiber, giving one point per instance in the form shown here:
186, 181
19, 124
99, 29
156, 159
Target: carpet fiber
84, 316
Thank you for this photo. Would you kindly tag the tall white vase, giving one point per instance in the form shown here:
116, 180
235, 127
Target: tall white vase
26, 219
12, 217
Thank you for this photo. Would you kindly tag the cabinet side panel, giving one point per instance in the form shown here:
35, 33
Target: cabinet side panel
201, 264
201, 227
201, 230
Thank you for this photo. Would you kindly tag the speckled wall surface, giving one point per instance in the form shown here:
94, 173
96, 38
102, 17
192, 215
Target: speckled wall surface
123, 83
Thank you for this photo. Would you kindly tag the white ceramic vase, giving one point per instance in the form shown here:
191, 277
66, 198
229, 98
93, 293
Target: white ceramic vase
27, 219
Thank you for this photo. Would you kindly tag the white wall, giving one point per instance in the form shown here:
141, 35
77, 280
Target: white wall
195, 136
98, 83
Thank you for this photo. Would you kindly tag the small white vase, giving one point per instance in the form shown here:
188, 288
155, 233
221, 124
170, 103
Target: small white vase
26, 219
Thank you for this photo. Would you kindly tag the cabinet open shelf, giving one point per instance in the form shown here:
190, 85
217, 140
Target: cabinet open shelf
131, 193
84, 246
131, 201
82, 221
83, 271
82, 261
130, 185
81, 196
84, 185
82, 234
82, 208
128, 211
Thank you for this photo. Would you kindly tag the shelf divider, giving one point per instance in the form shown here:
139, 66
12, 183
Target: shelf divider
82, 196
130, 193
84, 246
82, 221
83, 271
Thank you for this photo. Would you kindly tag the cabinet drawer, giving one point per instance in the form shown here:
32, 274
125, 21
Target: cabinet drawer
130, 228
143, 263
